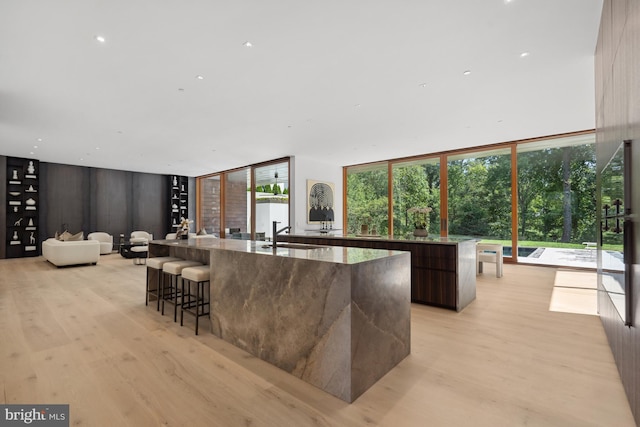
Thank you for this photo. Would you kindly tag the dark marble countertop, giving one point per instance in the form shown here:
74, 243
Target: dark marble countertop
402, 238
332, 254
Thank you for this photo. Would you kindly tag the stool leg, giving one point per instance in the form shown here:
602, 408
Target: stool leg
160, 287
146, 297
175, 301
163, 289
182, 305
198, 285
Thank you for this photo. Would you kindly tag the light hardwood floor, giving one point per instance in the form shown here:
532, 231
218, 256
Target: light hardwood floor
83, 336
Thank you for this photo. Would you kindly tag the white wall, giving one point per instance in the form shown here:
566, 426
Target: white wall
268, 212
302, 169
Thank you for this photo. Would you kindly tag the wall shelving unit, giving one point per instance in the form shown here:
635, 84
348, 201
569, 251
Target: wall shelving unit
23, 207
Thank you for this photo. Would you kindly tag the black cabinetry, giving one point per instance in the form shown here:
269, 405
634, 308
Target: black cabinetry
178, 200
23, 207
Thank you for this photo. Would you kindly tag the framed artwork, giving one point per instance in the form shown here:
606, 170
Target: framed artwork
320, 201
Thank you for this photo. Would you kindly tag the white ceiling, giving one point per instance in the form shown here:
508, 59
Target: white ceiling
343, 81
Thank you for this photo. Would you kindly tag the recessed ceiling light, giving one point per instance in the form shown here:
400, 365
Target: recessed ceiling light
199, 77
100, 39
358, 105
31, 152
247, 44
524, 54
507, 1
466, 73
97, 148
35, 146
39, 139
423, 85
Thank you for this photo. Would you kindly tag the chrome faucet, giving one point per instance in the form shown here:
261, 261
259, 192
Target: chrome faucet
276, 232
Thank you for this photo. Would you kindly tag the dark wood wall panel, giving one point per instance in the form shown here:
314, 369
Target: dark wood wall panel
617, 69
150, 203
77, 198
64, 199
110, 201
3, 211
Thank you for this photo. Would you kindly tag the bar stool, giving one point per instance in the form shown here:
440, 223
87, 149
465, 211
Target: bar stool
156, 264
174, 270
198, 304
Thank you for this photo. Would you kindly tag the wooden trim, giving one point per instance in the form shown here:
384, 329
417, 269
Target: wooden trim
345, 225
252, 198
198, 205
223, 190
444, 196
390, 198
514, 203
257, 165
494, 146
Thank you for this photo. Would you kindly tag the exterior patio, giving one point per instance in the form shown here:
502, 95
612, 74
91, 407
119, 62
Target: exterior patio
580, 258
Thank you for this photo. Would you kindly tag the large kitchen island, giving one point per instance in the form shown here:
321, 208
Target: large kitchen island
443, 269
338, 318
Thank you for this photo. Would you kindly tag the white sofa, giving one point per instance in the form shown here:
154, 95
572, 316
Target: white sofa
61, 253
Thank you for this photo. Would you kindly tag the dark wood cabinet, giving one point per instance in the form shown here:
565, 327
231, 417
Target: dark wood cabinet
23, 207
442, 271
178, 200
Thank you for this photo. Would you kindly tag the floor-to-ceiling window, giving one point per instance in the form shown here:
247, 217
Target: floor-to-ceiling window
271, 198
210, 204
243, 203
416, 186
237, 203
368, 199
479, 195
535, 197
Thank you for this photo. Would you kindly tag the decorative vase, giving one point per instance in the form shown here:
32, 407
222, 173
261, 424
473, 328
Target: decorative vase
420, 232
364, 229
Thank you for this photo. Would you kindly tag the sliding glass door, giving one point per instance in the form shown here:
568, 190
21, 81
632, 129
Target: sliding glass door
479, 196
556, 202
